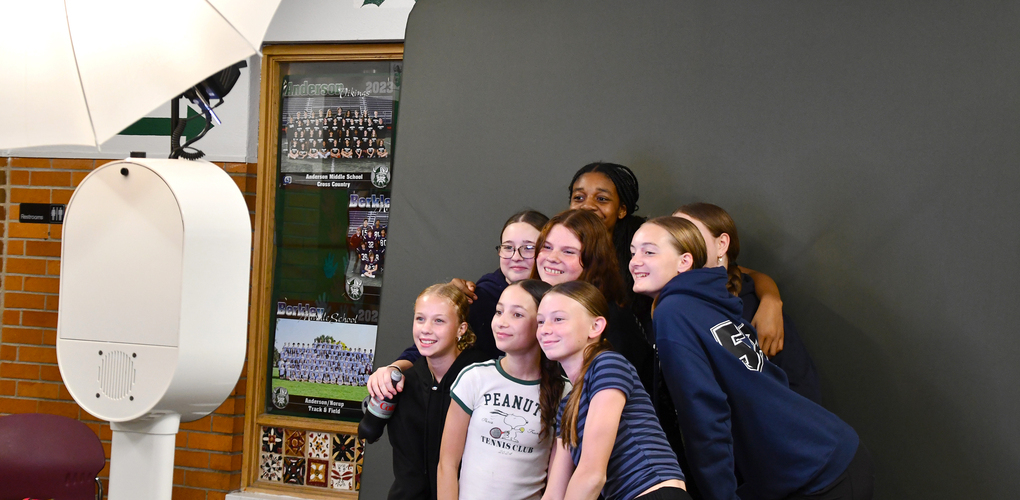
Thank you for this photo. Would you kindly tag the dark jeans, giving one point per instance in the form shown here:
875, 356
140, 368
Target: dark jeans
857, 482
667, 493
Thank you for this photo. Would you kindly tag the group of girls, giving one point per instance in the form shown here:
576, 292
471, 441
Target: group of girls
568, 388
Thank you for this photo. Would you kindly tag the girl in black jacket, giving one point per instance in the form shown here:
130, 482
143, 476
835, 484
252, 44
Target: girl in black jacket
442, 335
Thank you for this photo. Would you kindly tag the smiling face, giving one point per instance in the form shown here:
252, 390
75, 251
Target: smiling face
655, 260
514, 323
435, 326
517, 268
565, 327
595, 192
559, 259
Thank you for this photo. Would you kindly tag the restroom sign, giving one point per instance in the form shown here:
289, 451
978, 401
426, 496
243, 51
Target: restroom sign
41, 213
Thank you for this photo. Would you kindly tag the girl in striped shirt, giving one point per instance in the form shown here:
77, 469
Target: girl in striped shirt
608, 438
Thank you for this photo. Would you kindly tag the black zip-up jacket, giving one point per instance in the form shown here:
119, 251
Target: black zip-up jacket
416, 427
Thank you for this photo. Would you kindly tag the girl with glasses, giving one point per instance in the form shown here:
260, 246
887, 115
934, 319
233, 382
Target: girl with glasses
520, 233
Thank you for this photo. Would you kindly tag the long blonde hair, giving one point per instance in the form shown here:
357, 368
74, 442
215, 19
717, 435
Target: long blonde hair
595, 303
460, 305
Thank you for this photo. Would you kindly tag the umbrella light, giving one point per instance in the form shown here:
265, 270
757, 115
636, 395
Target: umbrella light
77, 72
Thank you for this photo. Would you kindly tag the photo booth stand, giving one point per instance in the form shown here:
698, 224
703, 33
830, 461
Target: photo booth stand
152, 325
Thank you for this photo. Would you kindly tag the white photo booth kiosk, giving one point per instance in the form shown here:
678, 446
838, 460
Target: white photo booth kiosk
152, 326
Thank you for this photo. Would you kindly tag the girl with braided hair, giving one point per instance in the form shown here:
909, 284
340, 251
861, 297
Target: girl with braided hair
611, 191
723, 246
746, 434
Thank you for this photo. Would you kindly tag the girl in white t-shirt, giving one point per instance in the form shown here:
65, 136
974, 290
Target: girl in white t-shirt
500, 432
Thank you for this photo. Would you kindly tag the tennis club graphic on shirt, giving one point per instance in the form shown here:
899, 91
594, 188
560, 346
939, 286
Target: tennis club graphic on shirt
514, 426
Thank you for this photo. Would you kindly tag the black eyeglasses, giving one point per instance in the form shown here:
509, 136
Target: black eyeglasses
508, 251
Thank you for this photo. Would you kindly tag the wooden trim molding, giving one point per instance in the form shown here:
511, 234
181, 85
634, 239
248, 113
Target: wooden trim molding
264, 256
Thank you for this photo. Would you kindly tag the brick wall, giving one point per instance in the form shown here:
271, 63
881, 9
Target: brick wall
208, 457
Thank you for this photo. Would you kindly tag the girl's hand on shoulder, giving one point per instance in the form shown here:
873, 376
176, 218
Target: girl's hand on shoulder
768, 322
468, 287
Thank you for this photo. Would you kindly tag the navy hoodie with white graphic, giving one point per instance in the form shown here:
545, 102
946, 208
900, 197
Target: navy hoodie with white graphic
738, 416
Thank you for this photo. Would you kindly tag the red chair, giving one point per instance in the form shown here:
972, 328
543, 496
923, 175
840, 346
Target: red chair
48, 457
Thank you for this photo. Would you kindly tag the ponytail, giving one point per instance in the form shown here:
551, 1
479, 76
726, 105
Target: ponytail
460, 306
734, 278
718, 221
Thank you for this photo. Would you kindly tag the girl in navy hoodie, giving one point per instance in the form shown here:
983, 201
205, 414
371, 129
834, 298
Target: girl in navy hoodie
746, 434
723, 246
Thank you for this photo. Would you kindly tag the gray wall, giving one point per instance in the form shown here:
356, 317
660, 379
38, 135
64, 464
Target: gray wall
867, 150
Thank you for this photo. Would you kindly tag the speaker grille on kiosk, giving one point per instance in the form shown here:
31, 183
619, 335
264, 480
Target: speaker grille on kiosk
116, 374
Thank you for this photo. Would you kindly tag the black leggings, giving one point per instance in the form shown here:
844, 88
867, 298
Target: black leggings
665, 493
857, 482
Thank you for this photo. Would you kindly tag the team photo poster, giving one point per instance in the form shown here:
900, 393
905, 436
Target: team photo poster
336, 136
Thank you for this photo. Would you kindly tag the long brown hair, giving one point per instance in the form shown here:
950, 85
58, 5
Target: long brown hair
599, 266
460, 306
717, 221
592, 300
550, 389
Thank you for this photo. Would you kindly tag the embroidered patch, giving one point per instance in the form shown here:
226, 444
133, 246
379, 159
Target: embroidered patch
294, 470
272, 440
318, 445
317, 470
294, 443
270, 466
341, 476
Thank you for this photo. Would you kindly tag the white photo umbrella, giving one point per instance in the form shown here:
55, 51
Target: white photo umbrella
77, 72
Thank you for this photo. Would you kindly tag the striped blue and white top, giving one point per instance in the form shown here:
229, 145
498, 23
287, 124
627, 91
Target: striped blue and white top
641, 456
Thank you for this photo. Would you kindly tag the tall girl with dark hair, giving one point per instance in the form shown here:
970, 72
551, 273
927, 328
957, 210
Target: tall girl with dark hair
609, 441
611, 191
516, 252
444, 338
722, 245
500, 431
738, 416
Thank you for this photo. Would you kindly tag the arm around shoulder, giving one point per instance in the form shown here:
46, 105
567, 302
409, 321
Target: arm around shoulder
768, 320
